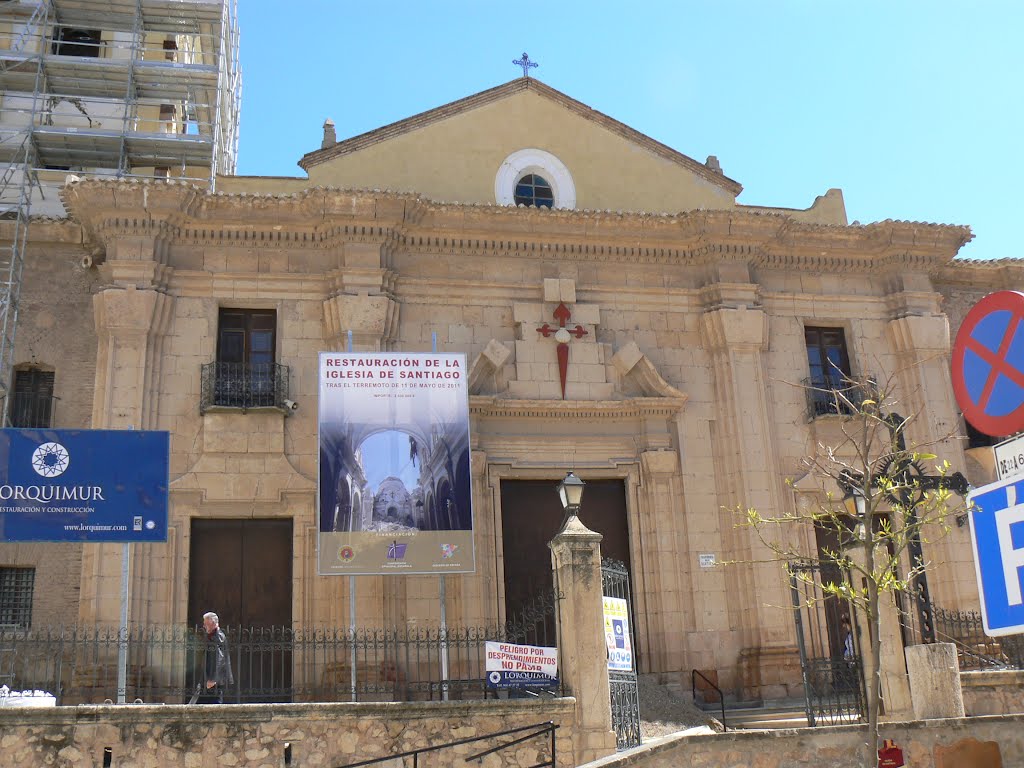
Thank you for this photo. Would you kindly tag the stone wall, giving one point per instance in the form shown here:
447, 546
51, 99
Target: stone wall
55, 333
835, 747
993, 693
255, 735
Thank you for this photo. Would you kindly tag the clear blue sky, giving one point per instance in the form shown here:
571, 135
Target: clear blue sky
914, 109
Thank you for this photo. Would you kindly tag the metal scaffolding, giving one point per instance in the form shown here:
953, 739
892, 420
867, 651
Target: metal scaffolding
107, 88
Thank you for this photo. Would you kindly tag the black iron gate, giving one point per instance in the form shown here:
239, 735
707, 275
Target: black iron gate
618, 615
827, 636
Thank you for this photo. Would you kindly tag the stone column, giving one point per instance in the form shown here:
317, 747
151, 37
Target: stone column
576, 560
935, 681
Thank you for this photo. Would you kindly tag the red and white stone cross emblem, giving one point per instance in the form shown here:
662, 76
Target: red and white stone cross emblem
562, 336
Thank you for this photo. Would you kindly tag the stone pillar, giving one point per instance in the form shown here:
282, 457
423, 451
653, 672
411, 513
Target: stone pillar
895, 688
935, 681
576, 561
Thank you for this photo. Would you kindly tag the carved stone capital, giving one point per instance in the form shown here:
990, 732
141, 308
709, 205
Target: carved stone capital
373, 320
127, 312
660, 462
927, 335
742, 328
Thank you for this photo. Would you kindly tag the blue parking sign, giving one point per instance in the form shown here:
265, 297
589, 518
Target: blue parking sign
997, 531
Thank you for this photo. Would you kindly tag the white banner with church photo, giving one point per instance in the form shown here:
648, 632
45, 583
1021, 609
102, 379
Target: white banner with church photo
394, 490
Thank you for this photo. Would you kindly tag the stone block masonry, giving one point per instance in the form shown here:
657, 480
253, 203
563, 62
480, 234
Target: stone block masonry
923, 742
255, 735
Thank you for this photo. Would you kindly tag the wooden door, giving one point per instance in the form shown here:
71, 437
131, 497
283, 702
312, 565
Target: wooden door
531, 515
242, 571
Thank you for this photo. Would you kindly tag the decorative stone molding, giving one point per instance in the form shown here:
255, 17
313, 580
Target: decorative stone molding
742, 328
181, 213
487, 367
527, 161
373, 320
921, 335
635, 368
597, 410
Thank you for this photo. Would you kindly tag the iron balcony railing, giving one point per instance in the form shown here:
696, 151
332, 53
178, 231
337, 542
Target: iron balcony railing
841, 397
243, 385
165, 664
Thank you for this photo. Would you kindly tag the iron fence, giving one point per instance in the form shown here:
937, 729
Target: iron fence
622, 683
165, 664
243, 385
975, 649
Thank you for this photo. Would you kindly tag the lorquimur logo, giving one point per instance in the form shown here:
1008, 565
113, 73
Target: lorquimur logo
50, 459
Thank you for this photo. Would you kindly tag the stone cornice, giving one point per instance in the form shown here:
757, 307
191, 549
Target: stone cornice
324, 218
483, 406
492, 95
995, 274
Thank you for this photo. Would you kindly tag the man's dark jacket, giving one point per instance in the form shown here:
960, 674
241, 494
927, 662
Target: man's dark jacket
218, 664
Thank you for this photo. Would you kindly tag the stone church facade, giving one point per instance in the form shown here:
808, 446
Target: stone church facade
690, 320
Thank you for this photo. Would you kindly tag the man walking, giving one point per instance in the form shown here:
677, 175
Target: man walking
218, 663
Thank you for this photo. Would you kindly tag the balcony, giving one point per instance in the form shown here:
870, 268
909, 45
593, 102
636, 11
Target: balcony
838, 398
243, 386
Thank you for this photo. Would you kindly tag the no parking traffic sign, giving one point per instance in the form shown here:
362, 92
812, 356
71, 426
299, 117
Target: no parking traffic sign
988, 364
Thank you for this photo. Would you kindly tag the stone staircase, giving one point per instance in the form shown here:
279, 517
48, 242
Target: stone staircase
782, 713
771, 714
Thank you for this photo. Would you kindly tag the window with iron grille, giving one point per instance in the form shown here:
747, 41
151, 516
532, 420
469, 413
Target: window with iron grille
16, 585
32, 402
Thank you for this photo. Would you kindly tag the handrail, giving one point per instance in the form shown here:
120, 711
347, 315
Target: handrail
694, 674
544, 728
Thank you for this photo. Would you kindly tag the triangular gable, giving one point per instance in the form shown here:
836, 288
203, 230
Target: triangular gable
476, 149
423, 119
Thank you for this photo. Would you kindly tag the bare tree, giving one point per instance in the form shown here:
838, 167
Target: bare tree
889, 499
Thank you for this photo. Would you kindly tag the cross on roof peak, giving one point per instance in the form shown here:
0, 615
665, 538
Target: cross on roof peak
525, 63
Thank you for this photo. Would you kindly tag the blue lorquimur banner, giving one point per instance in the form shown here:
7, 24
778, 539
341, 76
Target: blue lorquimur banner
92, 485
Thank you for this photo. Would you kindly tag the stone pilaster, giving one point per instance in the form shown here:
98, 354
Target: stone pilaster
747, 471
923, 348
576, 560
666, 569
131, 325
361, 300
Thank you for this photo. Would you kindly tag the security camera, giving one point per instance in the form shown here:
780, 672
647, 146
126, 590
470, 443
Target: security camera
291, 405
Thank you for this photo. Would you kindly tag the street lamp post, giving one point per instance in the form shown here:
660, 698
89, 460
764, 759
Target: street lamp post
570, 493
